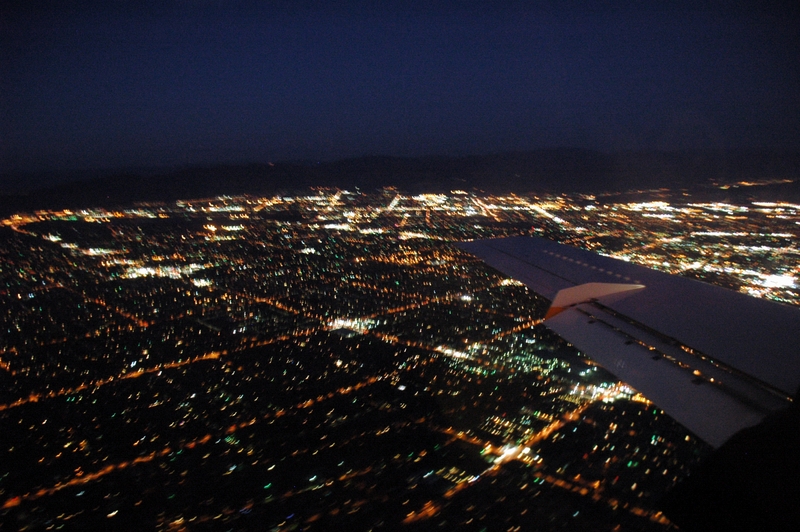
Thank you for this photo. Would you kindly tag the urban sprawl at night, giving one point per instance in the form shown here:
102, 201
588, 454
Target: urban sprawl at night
332, 361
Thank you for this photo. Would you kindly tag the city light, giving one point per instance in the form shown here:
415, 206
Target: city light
219, 362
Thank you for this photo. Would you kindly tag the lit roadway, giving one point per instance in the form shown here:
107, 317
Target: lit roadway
81, 477
522, 452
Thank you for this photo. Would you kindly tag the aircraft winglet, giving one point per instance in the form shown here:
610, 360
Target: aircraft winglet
584, 293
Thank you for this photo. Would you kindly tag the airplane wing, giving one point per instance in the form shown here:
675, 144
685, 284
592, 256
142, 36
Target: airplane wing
716, 360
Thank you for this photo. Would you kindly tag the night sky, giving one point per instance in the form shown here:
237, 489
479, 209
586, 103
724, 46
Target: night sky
176, 82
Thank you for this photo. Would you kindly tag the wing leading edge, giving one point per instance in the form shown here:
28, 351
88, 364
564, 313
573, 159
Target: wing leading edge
715, 360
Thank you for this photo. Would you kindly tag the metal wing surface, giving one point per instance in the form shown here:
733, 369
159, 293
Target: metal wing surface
715, 360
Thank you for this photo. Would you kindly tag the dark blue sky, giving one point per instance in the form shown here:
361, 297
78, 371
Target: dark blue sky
175, 82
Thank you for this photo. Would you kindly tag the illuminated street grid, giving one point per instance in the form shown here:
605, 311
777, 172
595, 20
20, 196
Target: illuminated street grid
332, 361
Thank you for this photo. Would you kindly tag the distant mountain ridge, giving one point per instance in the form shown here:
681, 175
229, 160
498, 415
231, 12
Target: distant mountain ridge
546, 170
